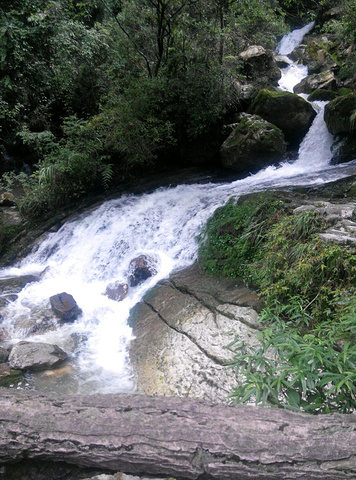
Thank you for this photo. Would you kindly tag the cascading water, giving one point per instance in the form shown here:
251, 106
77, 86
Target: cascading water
95, 249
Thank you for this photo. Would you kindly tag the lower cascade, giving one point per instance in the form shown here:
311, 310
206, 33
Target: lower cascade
95, 253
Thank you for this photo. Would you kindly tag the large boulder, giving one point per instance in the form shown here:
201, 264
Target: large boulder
340, 118
344, 149
182, 330
319, 81
253, 143
65, 307
117, 291
141, 268
36, 356
317, 56
259, 65
338, 114
289, 112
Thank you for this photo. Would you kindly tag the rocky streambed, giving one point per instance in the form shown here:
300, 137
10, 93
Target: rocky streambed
181, 330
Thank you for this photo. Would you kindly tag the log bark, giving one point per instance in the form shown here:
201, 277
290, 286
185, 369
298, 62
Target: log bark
176, 437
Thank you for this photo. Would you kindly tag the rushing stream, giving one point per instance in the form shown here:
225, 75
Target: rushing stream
95, 249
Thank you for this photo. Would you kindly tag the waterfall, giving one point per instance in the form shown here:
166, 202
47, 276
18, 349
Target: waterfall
95, 249
294, 39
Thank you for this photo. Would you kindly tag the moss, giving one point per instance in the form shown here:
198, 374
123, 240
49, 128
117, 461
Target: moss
260, 240
322, 95
11, 378
309, 289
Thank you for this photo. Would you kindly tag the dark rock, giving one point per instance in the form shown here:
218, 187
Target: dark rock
317, 56
283, 61
322, 95
65, 307
36, 356
16, 284
4, 355
344, 148
253, 143
289, 112
140, 269
298, 53
117, 291
338, 114
7, 298
260, 65
318, 81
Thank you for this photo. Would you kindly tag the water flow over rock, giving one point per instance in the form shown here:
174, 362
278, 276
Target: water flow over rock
95, 250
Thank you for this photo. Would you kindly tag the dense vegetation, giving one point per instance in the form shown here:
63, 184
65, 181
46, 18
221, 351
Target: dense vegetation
94, 90
307, 355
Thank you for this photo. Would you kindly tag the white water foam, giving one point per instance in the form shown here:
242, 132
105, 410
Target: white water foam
293, 40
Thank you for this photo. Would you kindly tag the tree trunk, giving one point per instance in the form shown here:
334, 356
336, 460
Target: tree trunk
176, 437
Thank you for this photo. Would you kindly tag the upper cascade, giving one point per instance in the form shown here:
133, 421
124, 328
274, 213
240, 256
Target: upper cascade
291, 41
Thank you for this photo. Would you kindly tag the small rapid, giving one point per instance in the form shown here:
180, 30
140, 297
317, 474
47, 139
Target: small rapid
96, 248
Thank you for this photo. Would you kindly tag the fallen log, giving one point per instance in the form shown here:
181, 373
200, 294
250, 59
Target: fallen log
176, 437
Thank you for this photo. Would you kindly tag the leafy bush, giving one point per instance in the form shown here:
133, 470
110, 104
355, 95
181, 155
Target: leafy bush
306, 356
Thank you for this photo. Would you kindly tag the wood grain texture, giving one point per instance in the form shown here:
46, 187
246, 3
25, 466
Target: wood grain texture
177, 437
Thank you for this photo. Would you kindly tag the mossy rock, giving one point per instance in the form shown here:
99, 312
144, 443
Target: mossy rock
318, 81
289, 112
9, 376
322, 95
252, 144
338, 114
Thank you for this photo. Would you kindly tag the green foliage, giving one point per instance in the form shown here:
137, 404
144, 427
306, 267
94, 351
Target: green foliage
309, 372
235, 232
305, 358
69, 168
259, 22
132, 124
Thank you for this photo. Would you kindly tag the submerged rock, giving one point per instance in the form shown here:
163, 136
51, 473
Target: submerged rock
16, 284
140, 269
254, 142
65, 307
117, 291
36, 356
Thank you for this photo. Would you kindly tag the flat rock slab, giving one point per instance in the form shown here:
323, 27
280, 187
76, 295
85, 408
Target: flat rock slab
182, 330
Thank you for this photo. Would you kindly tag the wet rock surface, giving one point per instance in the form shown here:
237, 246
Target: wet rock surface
65, 307
254, 142
289, 112
117, 291
140, 269
8, 376
182, 331
318, 81
260, 65
35, 356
